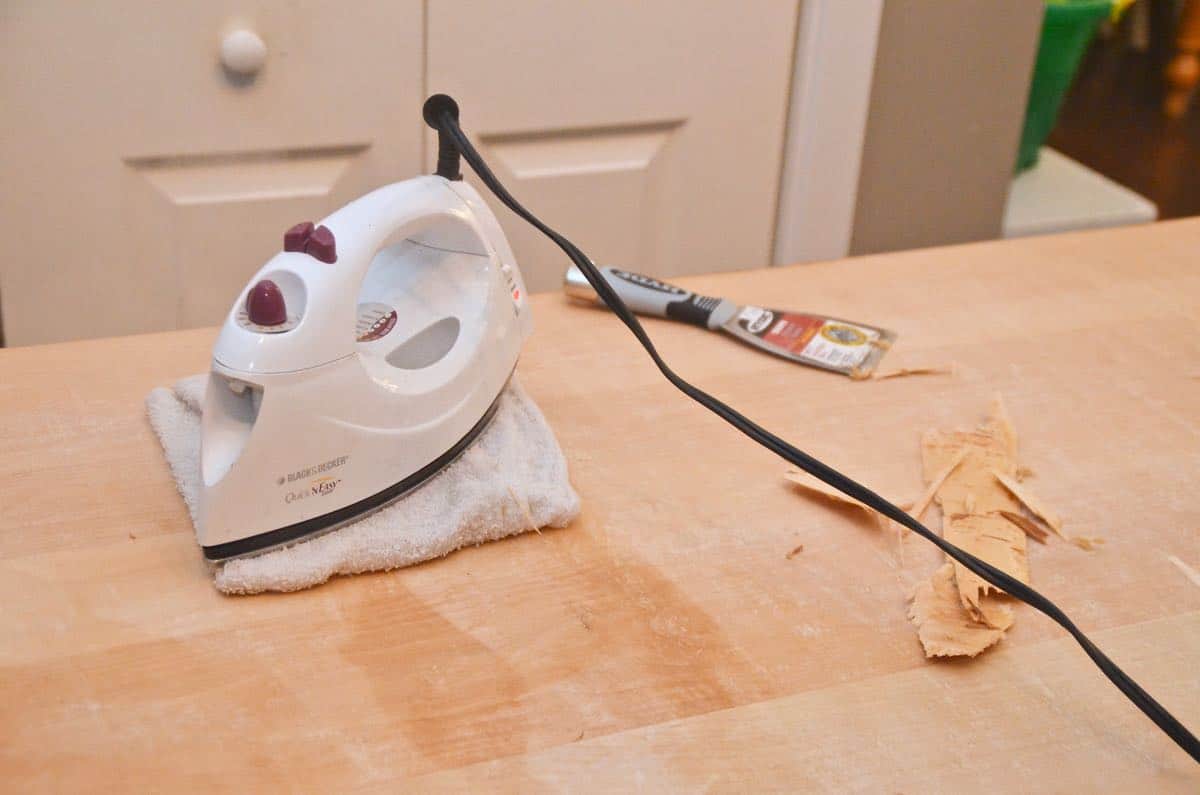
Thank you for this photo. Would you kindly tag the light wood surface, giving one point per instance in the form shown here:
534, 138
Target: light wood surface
665, 640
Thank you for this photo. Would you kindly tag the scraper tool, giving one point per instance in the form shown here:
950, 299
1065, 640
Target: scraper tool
830, 343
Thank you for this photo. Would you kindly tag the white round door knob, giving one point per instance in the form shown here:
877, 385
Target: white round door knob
243, 52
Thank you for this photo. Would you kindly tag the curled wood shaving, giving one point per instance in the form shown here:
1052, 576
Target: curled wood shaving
922, 503
990, 538
1000, 425
994, 613
988, 448
1089, 543
901, 372
944, 626
1035, 506
810, 484
1026, 524
1187, 570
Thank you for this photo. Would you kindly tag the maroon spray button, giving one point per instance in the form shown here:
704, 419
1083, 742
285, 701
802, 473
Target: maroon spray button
295, 238
317, 243
321, 245
265, 305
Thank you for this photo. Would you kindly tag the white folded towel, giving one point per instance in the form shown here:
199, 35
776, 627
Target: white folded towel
513, 478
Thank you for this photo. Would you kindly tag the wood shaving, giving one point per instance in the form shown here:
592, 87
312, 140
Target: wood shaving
975, 478
1089, 543
944, 626
819, 487
973, 504
994, 613
992, 539
919, 507
987, 449
810, 484
1026, 524
1187, 570
902, 372
1035, 506
1000, 424
795, 552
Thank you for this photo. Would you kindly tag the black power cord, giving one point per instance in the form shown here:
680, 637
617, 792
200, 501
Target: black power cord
441, 113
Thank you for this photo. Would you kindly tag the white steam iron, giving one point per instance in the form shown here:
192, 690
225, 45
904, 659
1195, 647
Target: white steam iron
356, 364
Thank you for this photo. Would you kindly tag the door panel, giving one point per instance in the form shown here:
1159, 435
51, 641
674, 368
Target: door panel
649, 133
146, 183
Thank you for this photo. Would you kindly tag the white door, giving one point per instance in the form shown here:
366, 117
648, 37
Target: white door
651, 134
144, 181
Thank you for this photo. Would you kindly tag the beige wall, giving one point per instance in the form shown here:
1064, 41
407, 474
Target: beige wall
947, 102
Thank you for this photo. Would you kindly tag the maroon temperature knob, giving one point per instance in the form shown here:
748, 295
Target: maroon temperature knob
264, 304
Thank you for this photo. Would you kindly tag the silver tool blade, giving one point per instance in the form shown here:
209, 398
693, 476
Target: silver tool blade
841, 346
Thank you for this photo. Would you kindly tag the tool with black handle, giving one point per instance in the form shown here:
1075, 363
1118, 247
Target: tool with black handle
842, 346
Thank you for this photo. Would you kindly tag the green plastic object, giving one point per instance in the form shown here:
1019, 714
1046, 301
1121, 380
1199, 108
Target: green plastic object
1067, 29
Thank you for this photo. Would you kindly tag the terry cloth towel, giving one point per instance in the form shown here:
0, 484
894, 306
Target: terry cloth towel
513, 478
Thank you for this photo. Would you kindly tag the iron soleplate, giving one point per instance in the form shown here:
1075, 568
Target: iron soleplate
310, 528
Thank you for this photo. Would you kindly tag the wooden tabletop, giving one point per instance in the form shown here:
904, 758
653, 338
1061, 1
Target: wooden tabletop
665, 640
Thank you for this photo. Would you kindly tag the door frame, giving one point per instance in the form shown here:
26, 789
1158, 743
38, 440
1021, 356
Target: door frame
832, 73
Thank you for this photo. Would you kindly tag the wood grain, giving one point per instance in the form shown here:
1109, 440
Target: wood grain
665, 640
